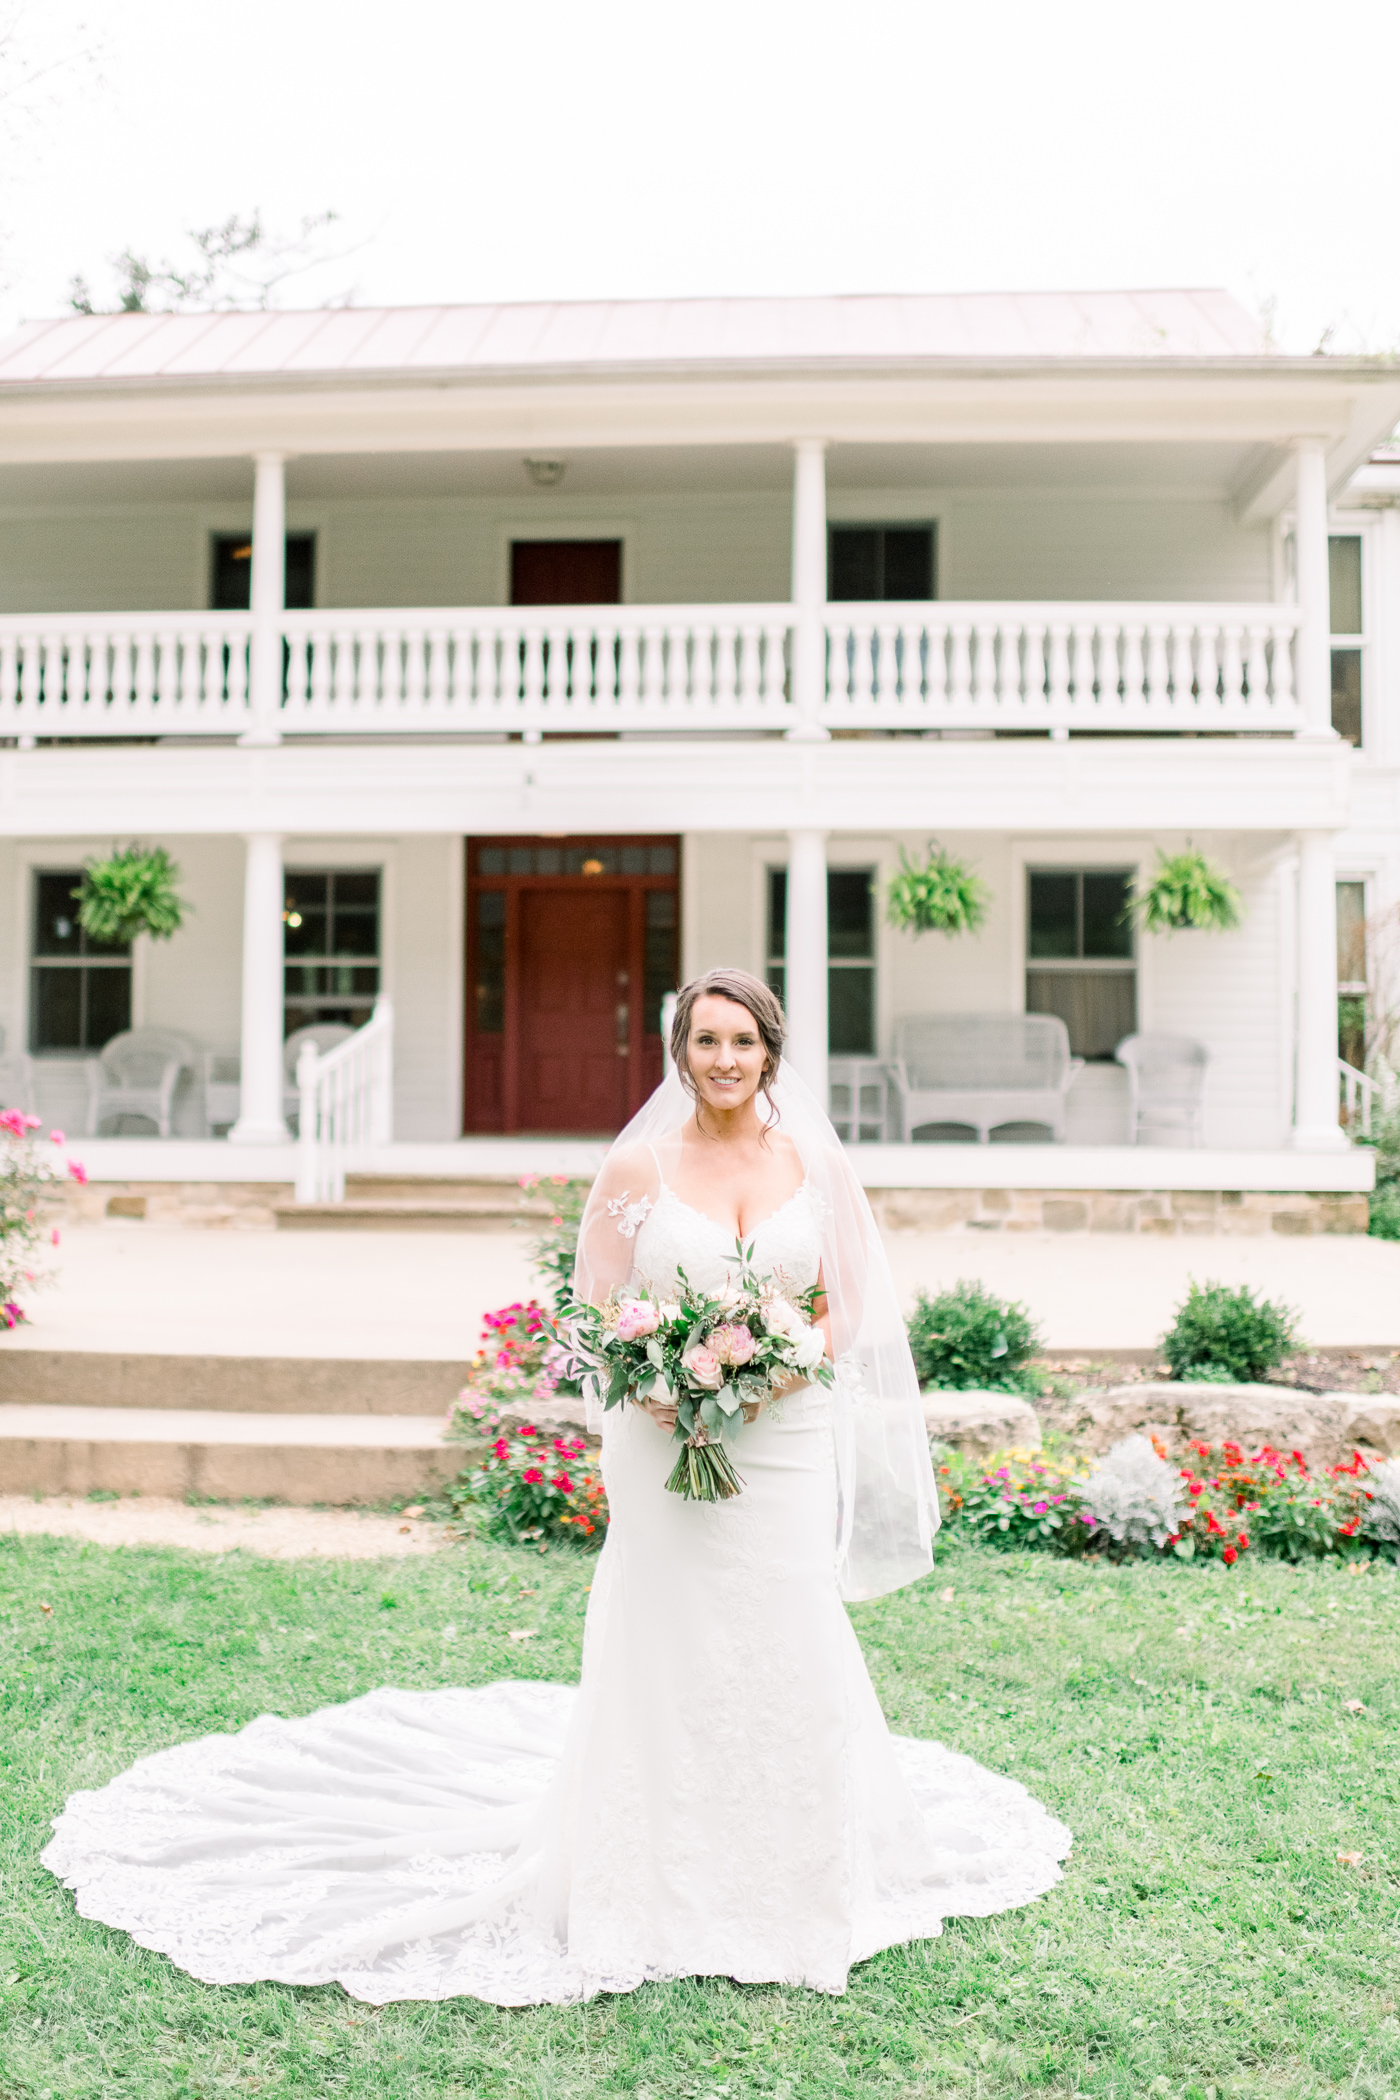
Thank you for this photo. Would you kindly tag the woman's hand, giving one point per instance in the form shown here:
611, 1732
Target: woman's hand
662, 1412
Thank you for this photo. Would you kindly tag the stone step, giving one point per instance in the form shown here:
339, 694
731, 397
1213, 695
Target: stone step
402, 1214
226, 1457
275, 1385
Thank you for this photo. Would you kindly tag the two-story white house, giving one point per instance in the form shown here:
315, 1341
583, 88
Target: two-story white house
514, 663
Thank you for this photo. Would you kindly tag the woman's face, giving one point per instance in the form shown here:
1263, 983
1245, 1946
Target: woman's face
725, 1052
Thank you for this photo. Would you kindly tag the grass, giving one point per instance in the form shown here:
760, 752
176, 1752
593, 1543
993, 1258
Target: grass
1191, 1726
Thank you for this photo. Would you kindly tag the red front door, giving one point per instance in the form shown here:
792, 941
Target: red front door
574, 1009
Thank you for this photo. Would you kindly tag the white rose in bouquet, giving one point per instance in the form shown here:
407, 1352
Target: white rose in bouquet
784, 1319
811, 1349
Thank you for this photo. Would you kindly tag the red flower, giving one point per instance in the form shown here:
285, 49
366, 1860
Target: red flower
1229, 1556
1243, 1543
563, 1483
1195, 1488
532, 1476
501, 1448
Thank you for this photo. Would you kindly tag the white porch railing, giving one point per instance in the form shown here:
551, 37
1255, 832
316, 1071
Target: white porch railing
680, 668
347, 1104
1359, 1097
1055, 666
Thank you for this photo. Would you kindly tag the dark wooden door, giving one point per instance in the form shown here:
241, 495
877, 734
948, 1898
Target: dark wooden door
566, 572
574, 1009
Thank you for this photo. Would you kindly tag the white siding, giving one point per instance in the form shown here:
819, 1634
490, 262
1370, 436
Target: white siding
676, 549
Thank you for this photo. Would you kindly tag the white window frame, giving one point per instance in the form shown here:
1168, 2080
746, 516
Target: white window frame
44, 857
1351, 526
1132, 854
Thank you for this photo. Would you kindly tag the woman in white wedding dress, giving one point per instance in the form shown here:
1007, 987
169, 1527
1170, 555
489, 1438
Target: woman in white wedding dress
720, 1795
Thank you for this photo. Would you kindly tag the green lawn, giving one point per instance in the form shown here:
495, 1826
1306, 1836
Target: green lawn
1191, 1725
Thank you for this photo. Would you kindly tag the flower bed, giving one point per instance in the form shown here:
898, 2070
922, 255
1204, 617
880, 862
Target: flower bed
1221, 1504
534, 1484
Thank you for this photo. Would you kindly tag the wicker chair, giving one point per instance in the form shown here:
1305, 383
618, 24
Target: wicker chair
1166, 1085
136, 1075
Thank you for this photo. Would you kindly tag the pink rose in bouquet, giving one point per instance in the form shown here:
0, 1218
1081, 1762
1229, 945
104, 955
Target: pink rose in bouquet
732, 1344
704, 1367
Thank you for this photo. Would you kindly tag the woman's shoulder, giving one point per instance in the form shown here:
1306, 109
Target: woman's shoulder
631, 1170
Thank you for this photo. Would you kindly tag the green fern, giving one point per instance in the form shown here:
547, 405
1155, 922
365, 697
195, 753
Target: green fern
1187, 891
132, 892
942, 896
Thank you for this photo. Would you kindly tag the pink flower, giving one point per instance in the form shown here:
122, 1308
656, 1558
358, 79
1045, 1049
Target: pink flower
78, 1171
501, 1447
56, 1137
638, 1317
732, 1343
704, 1368
1038, 1509
532, 1476
53, 1237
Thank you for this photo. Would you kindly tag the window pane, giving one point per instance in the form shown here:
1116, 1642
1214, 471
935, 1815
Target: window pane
490, 962
1099, 1007
661, 860
634, 860
855, 565
108, 1006
777, 912
301, 572
1351, 933
358, 890
851, 1012
492, 860
661, 957
1346, 694
850, 913
1344, 574
549, 860
1054, 915
908, 561
56, 929
56, 1009
1106, 931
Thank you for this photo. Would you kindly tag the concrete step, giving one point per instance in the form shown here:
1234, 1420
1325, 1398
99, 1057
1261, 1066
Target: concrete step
275, 1385
337, 1459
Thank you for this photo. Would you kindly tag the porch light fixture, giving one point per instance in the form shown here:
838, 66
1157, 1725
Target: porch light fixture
545, 473
292, 918
592, 867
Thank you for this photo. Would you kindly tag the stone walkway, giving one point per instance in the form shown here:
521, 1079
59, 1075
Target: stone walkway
387, 1295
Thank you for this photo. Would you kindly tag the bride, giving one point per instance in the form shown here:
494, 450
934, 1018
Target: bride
720, 1795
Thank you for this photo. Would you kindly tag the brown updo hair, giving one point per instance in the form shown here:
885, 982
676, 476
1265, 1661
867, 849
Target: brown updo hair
747, 991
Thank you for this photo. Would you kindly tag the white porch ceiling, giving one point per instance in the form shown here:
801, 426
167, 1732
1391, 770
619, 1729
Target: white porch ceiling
621, 471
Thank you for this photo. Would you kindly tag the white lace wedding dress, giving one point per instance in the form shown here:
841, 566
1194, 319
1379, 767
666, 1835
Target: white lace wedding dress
719, 1796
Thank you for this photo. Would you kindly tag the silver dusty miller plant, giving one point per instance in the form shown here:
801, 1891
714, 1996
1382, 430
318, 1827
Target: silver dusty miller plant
1135, 1496
1383, 1510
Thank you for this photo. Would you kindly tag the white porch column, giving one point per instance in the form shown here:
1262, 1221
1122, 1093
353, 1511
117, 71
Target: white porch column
805, 958
260, 1120
1314, 666
809, 590
267, 596
1315, 1125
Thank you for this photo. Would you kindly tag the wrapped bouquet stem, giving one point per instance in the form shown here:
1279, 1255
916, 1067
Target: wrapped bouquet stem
709, 1355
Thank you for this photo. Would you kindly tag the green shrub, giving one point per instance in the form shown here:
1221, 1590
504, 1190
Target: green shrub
133, 891
1219, 1332
1385, 1212
965, 1337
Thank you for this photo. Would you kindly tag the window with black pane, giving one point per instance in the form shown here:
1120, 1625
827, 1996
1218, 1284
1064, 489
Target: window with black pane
1348, 633
79, 988
330, 927
231, 580
881, 561
1080, 961
850, 947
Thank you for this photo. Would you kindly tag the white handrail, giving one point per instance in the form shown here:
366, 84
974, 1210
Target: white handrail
1358, 1090
1049, 666
1055, 666
347, 1104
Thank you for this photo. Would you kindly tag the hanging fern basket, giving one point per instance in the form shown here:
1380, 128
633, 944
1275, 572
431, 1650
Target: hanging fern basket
942, 895
1187, 892
134, 891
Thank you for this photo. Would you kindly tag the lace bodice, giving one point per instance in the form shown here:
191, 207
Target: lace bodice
672, 1235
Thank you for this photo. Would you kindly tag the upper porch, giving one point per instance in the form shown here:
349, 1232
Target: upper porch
1022, 518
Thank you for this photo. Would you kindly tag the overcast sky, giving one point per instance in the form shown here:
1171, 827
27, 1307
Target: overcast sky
624, 148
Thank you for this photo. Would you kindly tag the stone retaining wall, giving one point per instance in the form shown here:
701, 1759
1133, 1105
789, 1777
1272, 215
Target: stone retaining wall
244, 1205
1168, 1213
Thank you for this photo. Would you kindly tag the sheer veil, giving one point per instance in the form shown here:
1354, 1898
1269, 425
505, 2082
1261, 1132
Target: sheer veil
888, 1503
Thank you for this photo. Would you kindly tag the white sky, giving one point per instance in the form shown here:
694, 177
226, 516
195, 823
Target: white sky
577, 148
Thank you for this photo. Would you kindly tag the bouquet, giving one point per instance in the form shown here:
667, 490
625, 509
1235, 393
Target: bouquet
707, 1354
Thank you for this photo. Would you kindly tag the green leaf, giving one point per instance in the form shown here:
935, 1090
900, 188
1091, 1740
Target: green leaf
941, 896
1187, 891
133, 891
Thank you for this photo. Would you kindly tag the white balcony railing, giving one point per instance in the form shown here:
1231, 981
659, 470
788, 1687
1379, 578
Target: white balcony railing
686, 669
